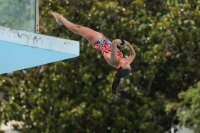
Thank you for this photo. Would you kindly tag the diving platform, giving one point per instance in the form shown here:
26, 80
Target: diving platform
22, 49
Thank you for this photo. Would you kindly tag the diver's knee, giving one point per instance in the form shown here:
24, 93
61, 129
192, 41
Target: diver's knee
76, 29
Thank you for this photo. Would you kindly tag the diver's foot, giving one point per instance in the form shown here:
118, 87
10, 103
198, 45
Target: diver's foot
57, 16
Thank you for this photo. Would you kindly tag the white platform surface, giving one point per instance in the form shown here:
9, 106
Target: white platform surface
22, 49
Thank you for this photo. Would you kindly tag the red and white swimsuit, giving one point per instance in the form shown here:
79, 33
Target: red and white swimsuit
104, 45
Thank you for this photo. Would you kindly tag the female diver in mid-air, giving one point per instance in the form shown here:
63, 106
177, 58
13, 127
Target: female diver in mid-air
109, 49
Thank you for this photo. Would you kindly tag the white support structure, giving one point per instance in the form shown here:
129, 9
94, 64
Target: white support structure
22, 49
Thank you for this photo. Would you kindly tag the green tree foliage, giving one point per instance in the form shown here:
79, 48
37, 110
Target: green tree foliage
75, 95
188, 111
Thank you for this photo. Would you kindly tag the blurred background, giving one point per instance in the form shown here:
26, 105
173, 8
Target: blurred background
74, 96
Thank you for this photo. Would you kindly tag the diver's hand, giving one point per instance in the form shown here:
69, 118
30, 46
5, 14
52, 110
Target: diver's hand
123, 43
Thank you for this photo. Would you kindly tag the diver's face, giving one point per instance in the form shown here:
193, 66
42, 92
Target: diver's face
124, 63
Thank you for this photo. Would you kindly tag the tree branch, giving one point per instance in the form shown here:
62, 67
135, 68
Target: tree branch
152, 79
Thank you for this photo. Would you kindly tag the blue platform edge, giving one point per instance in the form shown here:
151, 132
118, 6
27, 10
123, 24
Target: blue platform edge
21, 49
